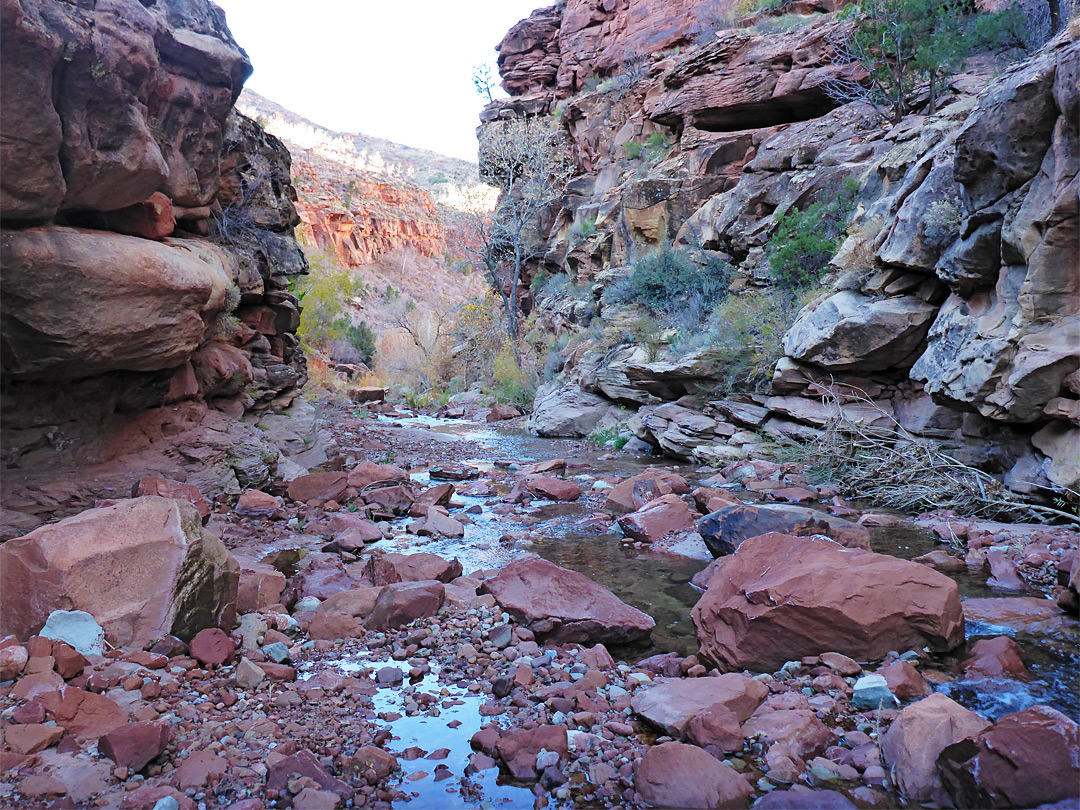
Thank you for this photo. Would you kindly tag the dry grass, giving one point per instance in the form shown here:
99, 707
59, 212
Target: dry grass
892, 467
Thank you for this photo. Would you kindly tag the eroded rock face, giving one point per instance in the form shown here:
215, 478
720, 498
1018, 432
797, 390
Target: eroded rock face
143, 568
566, 411
781, 597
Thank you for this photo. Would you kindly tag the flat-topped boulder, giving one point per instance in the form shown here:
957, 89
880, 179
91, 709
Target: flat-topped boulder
781, 597
725, 529
673, 702
564, 606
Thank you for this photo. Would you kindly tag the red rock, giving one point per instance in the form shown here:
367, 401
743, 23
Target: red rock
358, 601
311, 799
12, 662
322, 486
148, 660
200, 769
552, 465
67, 661
438, 495
634, 493
260, 585
30, 686
840, 663
403, 602
254, 503
152, 219
500, 412
904, 680
366, 473
1024, 614
995, 658
281, 673
212, 647
152, 485
398, 500
1025, 759
374, 759
717, 726
942, 561
83, 714
793, 495
673, 703
144, 567
798, 730
30, 739
678, 775
436, 524
367, 393
709, 499
564, 606
666, 515
727, 528
917, 736
332, 625
385, 569
1003, 574
300, 765
796, 799
518, 748
134, 745
323, 576
554, 489
781, 597
29, 713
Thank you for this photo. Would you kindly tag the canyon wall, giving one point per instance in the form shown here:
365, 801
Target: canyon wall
147, 249
970, 337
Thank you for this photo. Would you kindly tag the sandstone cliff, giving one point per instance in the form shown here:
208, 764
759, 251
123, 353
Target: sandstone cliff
147, 248
972, 338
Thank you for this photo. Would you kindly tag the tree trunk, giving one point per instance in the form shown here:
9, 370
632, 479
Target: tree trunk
933, 99
1055, 16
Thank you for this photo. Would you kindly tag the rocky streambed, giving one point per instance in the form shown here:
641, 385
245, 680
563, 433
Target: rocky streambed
468, 616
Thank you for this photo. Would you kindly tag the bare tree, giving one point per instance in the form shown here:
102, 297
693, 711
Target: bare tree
527, 160
482, 81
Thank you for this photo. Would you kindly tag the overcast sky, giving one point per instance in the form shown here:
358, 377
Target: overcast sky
395, 69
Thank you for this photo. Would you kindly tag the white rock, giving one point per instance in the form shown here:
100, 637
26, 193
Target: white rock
76, 627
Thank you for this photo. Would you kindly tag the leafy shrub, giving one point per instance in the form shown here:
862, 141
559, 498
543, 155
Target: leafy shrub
668, 283
804, 241
324, 294
583, 229
941, 223
654, 148
747, 333
634, 149
438, 178
510, 382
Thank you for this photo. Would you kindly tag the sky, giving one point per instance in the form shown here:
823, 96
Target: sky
394, 69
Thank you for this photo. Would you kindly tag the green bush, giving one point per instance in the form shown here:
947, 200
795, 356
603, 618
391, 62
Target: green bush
805, 241
583, 229
668, 283
324, 294
361, 338
633, 149
747, 335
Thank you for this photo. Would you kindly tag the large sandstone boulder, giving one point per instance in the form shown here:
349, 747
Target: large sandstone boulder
675, 774
77, 303
564, 606
1025, 759
725, 529
917, 736
781, 597
850, 331
144, 568
673, 703
566, 411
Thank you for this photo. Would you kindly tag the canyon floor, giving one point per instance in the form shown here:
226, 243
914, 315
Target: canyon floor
407, 675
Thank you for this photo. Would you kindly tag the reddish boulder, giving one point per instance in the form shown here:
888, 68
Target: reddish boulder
143, 568
781, 597
1025, 759
518, 748
372, 758
255, 503
366, 473
386, 569
212, 648
554, 489
261, 585
678, 775
134, 745
13, 660
709, 499
717, 726
725, 529
152, 219
163, 487
67, 661
666, 515
358, 601
398, 500
564, 606
904, 680
333, 625
200, 769
920, 732
403, 602
634, 493
995, 658
30, 738
321, 486
500, 412
84, 714
672, 704
438, 495
799, 730
304, 765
